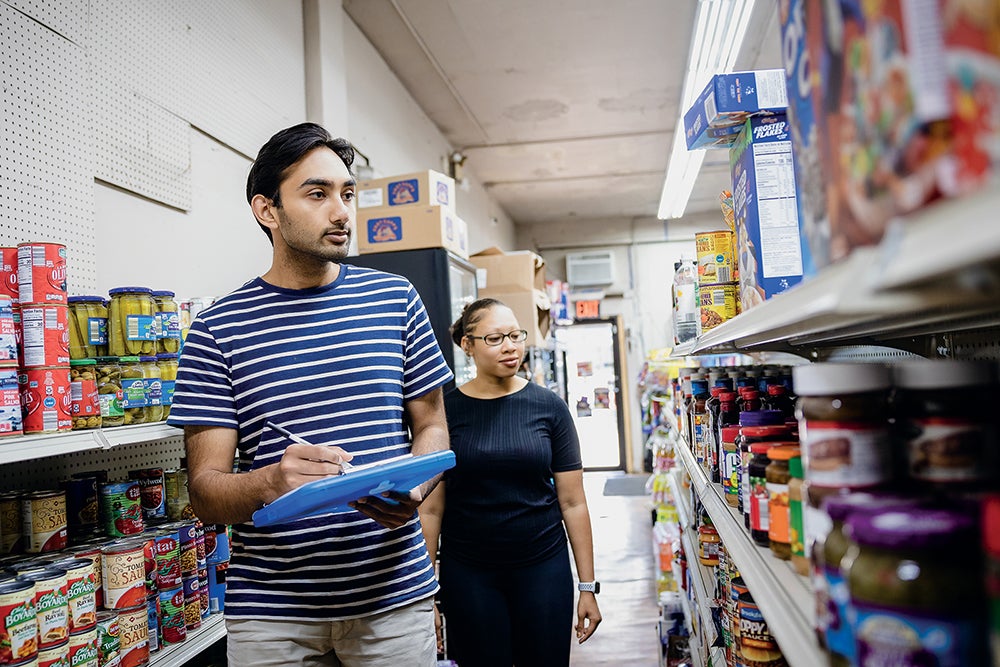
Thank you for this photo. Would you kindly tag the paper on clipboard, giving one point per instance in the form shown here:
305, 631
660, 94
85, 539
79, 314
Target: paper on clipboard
331, 494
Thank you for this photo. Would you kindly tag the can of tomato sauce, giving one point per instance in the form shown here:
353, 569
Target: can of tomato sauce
148, 544
44, 334
121, 508
124, 575
18, 627
41, 273
8, 275
45, 399
43, 521
83, 649
11, 419
133, 628
80, 593
8, 336
51, 606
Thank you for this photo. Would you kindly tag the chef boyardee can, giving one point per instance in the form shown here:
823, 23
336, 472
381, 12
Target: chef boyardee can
121, 509
83, 649
81, 586
51, 607
18, 628
151, 492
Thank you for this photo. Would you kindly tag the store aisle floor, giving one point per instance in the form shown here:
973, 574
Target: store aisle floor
623, 550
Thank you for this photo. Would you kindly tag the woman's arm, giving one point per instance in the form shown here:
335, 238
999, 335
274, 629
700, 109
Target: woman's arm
431, 511
576, 516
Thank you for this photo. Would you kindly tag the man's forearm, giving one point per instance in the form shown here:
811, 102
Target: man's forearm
224, 497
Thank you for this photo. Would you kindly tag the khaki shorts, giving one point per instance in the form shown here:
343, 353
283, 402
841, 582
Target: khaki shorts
403, 636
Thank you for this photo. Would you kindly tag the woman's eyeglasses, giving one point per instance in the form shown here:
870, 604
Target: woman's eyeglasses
494, 339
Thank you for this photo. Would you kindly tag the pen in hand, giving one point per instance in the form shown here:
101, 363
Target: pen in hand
345, 467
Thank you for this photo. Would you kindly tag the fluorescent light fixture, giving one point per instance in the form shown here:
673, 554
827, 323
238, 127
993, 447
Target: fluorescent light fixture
720, 26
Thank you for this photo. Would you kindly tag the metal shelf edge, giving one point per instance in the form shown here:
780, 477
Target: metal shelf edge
27, 447
212, 630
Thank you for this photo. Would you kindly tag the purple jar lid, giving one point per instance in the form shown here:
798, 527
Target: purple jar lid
840, 506
762, 418
914, 528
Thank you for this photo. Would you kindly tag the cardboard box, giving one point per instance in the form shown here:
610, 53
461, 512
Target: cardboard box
410, 228
717, 116
510, 271
768, 245
532, 310
424, 188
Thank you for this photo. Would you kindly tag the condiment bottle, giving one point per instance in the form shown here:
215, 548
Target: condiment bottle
778, 399
698, 418
728, 416
708, 545
915, 596
759, 426
991, 542
759, 515
730, 465
778, 476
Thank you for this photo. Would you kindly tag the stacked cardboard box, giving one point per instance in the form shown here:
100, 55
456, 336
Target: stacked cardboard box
518, 280
408, 212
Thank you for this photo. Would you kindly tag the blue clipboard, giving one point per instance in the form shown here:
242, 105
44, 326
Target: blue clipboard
331, 494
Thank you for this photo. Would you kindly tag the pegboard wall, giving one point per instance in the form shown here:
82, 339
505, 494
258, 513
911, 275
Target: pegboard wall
118, 461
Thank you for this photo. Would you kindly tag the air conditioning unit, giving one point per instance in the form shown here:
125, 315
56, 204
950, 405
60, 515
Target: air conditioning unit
590, 268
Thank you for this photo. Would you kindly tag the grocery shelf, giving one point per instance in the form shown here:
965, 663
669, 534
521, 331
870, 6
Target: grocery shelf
28, 447
212, 630
783, 596
700, 578
684, 510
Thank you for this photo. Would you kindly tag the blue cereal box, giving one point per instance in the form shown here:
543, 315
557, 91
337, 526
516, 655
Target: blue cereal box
424, 188
389, 229
717, 116
768, 246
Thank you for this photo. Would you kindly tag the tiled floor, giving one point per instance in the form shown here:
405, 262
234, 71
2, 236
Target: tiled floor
623, 550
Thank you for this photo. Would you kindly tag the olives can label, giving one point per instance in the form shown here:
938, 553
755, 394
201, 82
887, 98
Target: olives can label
168, 560
8, 274
133, 628
173, 629
18, 627
43, 520
950, 449
51, 607
108, 638
153, 622
192, 602
54, 657
45, 335
151, 492
45, 399
41, 273
11, 420
892, 637
121, 509
11, 533
845, 455
8, 337
83, 649
124, 574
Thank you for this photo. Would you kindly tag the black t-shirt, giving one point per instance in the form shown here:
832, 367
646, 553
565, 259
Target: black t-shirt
501, 507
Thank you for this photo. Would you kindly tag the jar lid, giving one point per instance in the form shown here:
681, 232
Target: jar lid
699, 386
940, 373
124, 290
729, 433
166, 356
86, 299
164, 292
840, 378
841, 505
128, 360
762, 418
795, 467
776, 390
782, 451
744, 381
766, 431
914, 528
147, 358
728, 397
82, 362
725, 383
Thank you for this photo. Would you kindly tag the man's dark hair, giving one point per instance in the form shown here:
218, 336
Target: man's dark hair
284, 150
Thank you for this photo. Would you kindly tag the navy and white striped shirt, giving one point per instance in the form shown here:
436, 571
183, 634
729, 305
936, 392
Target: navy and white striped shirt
333, 364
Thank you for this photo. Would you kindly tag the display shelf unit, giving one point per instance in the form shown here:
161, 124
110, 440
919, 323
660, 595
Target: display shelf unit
783, 596
212, 630
28, 447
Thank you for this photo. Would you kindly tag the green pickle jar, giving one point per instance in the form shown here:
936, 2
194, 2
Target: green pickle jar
153, 387
88, 327
85, 409
168, 376
133, 326
134, 399
169, 322
109, 391
913, 587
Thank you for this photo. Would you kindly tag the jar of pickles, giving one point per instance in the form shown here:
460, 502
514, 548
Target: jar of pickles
88, 327
168, 376
169, 321
85, 409
109, 391
134, 400
153, 387
132, 323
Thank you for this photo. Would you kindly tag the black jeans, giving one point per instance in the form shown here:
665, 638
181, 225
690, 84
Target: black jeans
512, 616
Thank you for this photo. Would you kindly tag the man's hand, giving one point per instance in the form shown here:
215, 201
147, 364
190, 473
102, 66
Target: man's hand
301, 464
391, 509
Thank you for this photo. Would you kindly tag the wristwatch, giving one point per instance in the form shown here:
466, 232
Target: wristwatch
589, 587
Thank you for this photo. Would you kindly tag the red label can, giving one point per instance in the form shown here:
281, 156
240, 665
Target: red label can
43, 521
45, 335
11, 421
151, 491
124, 575
45, 399
172, 625
133, 628
121, 509
51, 606
41, 272
81, 587
168, 559
18, 627
8, 274
18, 334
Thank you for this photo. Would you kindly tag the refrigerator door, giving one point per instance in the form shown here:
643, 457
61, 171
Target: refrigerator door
462, 284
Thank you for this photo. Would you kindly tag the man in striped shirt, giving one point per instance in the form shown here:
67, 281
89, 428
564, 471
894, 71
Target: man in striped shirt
345, 358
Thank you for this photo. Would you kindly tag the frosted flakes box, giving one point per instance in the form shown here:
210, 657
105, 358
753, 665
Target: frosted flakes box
717, 116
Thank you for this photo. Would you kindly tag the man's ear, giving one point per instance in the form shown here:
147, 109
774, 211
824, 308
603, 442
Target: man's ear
264, 210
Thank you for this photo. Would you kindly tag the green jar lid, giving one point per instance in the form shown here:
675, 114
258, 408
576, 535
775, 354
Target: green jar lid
106, 360
82, 362
795, 467
128, 360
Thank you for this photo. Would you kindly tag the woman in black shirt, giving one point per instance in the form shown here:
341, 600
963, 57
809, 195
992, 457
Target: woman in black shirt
515, 492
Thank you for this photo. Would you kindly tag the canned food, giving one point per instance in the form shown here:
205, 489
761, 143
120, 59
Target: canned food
44, 335
168, 379
11, 531
151, 492
153, 622
124, 574
8, 337
45, 399
216, 543
134, 399
133, 628
81, 507
54, 657
173, 629
109, 391
718, 304
217, 587
18, 335
11, 422
108, 638
133, 326
8, 274
715, 257
88, 327
41, 273
51, 607
178, 502
83, 649
192, 602
43, 521
81, 587
206, 605
85, 406
187, 536
18, 627
168, 560
148, 545
121, 509
199, 529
